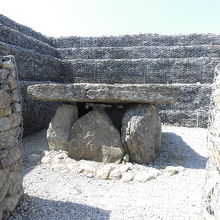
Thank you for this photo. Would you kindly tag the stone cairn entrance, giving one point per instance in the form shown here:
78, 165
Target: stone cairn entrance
94, 136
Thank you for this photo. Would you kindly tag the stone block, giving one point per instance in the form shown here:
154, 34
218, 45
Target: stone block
109, 93
15, 96
9, 156
4, 189
5, 99
59, 129
16, 107
141, 133
4, 112
15, 179
9, 137
3, 74
15, 119
94, 137
5, 124
3, 176
12, 83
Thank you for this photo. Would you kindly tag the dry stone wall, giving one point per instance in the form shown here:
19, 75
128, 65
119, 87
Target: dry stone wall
211, 205
10, 137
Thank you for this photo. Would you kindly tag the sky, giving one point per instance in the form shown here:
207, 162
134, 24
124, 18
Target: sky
115, 17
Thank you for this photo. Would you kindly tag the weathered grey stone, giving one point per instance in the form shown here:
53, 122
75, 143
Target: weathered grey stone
12, 83
211, 201
144, 176
128, 176
5, 99
9, 157
12, 201
171, 170
141, 133
59, 129
10, 131
104, 172
9, 137
15, 119
4, 112
94, 137
3, 176
86, 168
3, 75
16, 166
5, 124
15, 96
115, 174
4, 189
7, 63
16, 107
116, 93
15, 179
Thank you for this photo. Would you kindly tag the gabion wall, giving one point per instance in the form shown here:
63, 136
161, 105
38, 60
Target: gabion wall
211, 199
188, 60
10, 137
37, 60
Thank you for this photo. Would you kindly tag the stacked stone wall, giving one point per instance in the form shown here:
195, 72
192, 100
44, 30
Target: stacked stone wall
10, 137
211, 199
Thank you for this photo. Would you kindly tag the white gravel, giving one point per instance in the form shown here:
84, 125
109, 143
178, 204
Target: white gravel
58, 195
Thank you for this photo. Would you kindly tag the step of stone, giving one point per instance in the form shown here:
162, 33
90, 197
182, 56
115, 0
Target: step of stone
136, 52
138, 40
23, 29
11, 36
140, 71
191, 96
105, 93
31, 64
186, 118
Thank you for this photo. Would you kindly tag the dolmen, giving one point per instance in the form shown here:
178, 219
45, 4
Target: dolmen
93, 135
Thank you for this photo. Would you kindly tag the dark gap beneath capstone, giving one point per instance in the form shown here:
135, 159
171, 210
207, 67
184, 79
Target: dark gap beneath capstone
115, 111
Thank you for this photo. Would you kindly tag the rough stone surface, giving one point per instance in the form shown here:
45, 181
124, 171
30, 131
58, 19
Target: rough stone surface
211, 197
59, 129
128, 176
117, 93
141, 133
11, 179
5, 99
94, 137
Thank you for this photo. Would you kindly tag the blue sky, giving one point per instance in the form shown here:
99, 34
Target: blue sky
115, 17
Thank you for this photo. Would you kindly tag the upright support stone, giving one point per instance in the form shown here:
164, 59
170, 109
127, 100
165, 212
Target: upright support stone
59, 128
94, 137
141, 133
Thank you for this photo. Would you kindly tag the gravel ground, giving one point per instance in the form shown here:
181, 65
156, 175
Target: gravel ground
57, 195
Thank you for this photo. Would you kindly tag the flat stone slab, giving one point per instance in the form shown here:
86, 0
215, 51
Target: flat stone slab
105, 93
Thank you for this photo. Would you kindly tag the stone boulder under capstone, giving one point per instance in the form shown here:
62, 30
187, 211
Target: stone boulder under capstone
59, 128
141, 133
94, 137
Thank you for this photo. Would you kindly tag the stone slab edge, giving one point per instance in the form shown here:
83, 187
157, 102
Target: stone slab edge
110, 93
